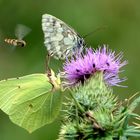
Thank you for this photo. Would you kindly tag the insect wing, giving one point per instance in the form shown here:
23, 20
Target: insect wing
21, 31
60, 40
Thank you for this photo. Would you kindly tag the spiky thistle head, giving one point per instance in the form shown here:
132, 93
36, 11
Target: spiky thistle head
84, 65
95, 113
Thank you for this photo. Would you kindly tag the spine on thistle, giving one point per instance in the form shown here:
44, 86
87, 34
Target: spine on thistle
94, 112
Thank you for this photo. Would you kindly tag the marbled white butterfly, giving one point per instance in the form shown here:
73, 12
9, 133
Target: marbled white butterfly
61, 40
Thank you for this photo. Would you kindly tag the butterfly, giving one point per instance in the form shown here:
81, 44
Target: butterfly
61, 40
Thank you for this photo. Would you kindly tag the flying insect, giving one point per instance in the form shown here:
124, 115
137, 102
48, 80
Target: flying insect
20, 32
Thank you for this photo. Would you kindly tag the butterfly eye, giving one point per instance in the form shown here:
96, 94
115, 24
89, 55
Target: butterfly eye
81, 41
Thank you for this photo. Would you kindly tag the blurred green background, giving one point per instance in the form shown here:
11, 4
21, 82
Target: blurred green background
121, 17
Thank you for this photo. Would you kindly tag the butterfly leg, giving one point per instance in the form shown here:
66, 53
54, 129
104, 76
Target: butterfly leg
47, 69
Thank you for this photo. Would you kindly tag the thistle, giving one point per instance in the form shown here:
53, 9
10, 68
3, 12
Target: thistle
83, 66
94, 112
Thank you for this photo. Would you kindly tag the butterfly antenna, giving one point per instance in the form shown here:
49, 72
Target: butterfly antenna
96, 30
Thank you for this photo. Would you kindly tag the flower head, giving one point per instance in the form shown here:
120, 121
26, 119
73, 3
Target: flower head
84, 65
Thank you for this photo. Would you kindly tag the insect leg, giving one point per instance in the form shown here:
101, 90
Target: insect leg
47, 64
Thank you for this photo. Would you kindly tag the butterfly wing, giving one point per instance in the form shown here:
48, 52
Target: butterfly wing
61, 40
21, 31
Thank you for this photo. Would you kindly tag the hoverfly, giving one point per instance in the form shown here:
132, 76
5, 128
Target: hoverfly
20, 32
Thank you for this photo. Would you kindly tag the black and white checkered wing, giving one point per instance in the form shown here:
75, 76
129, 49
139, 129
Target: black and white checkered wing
61, 41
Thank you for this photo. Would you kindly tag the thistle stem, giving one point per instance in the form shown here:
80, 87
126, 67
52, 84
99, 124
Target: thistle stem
77, 104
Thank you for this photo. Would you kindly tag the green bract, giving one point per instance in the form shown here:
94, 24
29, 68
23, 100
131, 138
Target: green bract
95, 113
30, 101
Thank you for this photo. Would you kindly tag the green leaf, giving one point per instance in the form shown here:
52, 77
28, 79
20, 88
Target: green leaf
29, 101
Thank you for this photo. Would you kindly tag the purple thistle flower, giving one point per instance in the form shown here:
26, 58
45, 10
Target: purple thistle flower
83, 66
